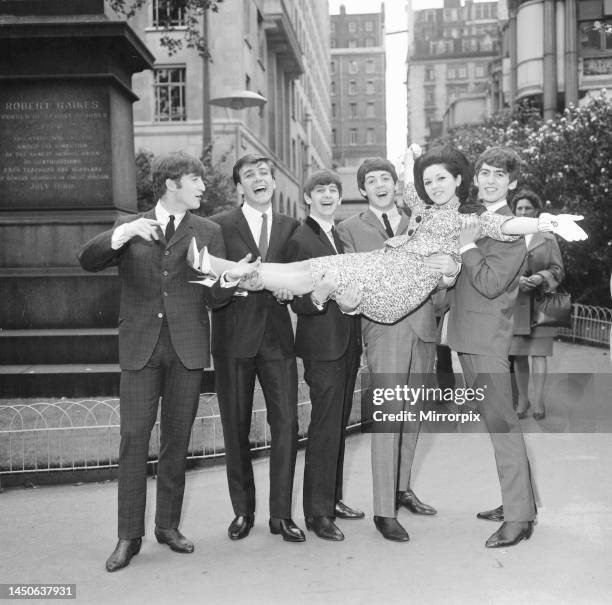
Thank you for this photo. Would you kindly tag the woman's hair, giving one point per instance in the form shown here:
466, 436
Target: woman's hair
454, 161
527, 194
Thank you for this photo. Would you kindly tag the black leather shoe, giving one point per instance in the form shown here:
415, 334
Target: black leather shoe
510, 533
343, 511
240, 527
391, 529
497, 514
540, 414
124, 551
174, 539
325, 528
413, 504
287, 529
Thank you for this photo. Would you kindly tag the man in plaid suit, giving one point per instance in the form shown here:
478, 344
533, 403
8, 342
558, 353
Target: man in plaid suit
163, 342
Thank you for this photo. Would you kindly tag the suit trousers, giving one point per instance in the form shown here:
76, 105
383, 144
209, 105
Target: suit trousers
332, 384
277, 375
394, 354
140, 390
505, 430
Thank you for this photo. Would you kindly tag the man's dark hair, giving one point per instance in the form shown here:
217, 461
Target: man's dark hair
250, 158
322, 177
372, 164
172, 166
501, 157
454, 161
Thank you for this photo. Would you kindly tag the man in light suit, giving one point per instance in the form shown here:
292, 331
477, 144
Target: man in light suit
480, 330
163, 343
253, 337
329, 342
398, 350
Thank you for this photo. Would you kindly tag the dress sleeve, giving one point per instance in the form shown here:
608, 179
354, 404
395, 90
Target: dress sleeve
491, 224
411, 199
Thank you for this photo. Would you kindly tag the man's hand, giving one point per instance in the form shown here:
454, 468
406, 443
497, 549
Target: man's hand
243, 269
324, 287
282, 294
470, 230
146, 228
349, 300
442, 263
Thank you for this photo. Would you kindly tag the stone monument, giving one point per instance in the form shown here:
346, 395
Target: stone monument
66, 168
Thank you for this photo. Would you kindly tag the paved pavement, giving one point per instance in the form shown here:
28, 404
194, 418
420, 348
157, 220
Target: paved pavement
64, 533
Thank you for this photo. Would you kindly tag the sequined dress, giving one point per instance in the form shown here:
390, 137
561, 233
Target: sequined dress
394, 280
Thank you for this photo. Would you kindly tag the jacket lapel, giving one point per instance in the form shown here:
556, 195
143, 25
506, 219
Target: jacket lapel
245, 232
321, 234
371, 219
184, 230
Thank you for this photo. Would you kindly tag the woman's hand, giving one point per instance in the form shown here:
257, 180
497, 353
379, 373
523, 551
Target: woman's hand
563, 225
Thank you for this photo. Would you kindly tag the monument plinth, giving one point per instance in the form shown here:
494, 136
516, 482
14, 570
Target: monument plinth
66, 168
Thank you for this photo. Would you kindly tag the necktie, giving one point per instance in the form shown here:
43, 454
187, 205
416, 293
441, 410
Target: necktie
263, 236
337, 241
387, 224
170, 228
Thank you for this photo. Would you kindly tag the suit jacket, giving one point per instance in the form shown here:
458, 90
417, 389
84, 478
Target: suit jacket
321, 335
238, 328
155, 283
364, 232
482, 301
543, 258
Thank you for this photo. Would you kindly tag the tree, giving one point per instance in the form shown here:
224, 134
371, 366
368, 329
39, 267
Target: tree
192, 12
568, 161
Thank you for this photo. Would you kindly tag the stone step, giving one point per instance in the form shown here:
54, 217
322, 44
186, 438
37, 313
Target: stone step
60, 345
69, 380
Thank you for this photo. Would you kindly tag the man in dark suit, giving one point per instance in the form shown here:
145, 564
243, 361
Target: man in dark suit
253, 337
329, 342
163, 343
480, 329
393, 352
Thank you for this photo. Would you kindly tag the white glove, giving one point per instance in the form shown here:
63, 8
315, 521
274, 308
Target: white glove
563, 225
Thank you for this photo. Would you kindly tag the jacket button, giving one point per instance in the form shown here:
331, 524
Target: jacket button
160, 315
417, 218
167, 253
410, 231
165, 273
165, 293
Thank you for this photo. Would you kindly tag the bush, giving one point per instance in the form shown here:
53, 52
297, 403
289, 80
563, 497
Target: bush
568, 161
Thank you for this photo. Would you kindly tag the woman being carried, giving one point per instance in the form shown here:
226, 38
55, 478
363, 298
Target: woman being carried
394, 280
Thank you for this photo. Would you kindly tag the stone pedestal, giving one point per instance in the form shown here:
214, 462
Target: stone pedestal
66, 168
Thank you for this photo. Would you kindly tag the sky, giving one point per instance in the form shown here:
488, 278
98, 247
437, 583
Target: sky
396, 50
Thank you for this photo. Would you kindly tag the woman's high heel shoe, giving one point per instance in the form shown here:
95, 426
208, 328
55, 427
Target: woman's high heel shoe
539, 415
523, 413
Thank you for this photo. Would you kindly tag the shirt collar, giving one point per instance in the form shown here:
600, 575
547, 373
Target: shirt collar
496, 206
163, 216
325, 225
252, 214
391, 213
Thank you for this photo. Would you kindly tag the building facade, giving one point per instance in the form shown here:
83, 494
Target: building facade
450, 49
357, 87
276, 48
553, 53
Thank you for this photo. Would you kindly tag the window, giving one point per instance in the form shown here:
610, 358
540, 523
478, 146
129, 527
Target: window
332, 67
369, 26
370, 66
334, 137
332, 43
430, 74
370, 136
352, 27
352, 87
352, 44
352, 110
370, 110
456, 71
332, 87
430, 96
167, 14
592, 39
480, 70
353, 67
370, 89
333, 110
369, 42
332, 27
353, 136
170, 94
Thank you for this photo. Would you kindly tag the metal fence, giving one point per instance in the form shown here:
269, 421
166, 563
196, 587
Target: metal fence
589, 324
83, 435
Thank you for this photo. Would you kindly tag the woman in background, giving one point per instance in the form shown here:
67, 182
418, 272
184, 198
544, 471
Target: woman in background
544, 272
